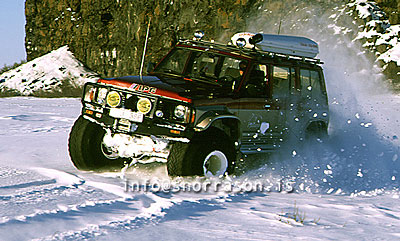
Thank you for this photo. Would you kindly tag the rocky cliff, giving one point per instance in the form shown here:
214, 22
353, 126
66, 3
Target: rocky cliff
109, 35
391, 8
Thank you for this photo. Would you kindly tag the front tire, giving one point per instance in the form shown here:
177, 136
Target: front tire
87, 150
211, 154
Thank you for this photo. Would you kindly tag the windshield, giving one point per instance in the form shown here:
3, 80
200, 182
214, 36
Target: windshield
204, 66
174, 63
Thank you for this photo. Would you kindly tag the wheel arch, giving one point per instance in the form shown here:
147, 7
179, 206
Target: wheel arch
317, 126
227, 123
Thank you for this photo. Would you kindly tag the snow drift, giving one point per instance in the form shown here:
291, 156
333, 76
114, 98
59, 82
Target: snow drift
46, 73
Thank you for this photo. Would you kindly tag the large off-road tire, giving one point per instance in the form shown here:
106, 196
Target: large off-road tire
211, 154
86, 148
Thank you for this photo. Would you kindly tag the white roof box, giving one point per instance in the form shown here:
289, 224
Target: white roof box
281, 44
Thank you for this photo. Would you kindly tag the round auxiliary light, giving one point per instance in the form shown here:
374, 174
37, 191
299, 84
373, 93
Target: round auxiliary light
241, 42
113, 99
144, 105
199, 35
180, 111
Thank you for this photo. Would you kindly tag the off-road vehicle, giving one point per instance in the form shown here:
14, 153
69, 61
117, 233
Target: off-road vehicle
203, 105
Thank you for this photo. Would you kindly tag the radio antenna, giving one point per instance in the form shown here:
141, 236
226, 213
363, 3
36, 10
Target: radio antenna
144, 51
279, 29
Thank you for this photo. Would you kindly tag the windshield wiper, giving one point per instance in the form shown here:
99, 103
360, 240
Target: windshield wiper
169, 71
172, 79
202, 79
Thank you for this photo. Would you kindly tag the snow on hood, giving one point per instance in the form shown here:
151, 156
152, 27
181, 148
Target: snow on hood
47, 72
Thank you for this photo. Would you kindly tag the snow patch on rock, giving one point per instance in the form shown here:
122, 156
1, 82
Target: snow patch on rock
47, 73
380, 36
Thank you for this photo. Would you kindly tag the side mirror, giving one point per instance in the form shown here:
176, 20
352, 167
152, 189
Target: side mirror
256, 39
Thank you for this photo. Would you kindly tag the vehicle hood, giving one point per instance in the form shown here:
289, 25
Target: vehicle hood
147, 84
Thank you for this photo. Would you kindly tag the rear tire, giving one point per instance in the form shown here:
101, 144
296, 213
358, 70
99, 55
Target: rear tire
212, 154
87, 150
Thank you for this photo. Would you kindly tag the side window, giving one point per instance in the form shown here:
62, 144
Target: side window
281, 81
231, 72
231, 68
204, 65
257, 81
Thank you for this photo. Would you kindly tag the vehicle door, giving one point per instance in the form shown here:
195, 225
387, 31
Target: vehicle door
263, 106
283, 93
222, 70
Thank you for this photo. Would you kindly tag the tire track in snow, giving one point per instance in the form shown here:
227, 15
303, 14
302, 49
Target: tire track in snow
57, 194
161, 209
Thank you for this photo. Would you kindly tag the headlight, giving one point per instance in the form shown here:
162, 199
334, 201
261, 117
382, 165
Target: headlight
101, 96
113, 99
144, 105
180, 111
90, 91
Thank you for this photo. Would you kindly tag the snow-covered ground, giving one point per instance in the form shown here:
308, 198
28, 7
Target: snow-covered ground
348, 190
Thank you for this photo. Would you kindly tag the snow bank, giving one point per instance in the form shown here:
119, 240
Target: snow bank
47, 72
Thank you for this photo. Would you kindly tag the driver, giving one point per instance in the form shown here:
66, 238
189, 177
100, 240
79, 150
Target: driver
242, 67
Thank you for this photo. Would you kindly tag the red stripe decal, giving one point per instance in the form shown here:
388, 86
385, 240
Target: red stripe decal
145, 89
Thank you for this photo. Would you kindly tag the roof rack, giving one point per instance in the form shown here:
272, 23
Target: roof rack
255, 50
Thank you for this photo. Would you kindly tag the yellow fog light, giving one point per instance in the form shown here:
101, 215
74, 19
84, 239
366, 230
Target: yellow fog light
144, 105
113, 99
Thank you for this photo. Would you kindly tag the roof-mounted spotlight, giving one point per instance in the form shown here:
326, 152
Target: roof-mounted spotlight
241, 42
256, 39
198, 35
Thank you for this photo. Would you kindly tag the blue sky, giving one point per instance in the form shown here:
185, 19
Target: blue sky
12, 31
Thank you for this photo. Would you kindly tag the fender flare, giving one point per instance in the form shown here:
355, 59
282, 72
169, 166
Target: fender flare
209, 118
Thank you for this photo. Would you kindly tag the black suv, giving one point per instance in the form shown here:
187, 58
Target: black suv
204, 105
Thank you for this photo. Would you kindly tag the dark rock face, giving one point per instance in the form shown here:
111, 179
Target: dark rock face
109, 35
391, 8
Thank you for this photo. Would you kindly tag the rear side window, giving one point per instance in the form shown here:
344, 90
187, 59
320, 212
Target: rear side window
310, 83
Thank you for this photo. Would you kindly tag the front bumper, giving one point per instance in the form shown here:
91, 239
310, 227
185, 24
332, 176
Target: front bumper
147, 127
